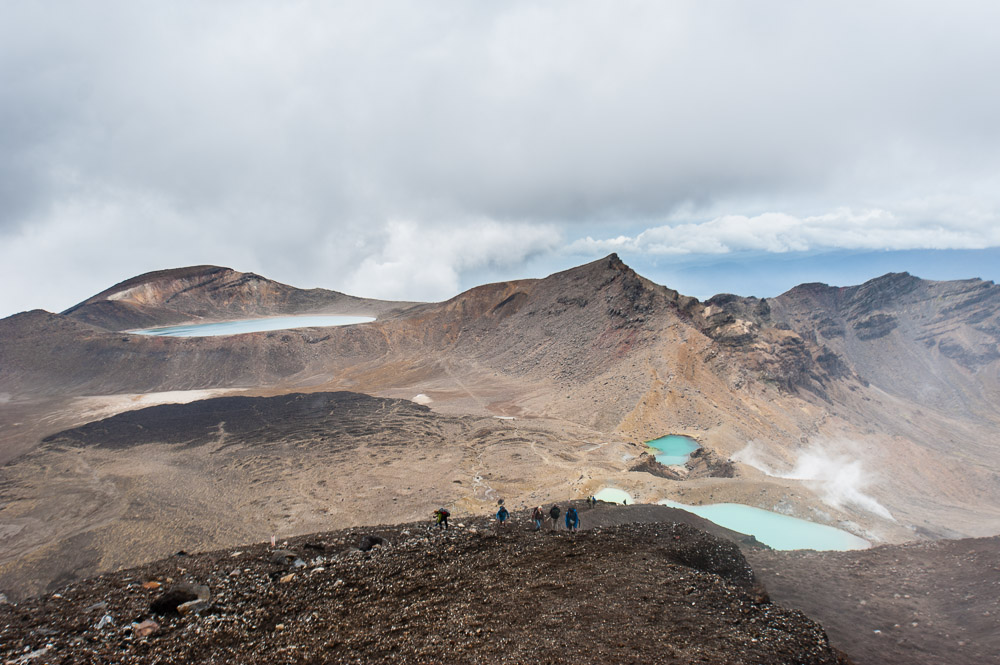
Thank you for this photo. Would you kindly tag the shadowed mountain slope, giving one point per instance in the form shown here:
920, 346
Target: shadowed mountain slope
934, 343
915, 604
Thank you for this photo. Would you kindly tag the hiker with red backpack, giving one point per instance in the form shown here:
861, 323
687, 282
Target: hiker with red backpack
441, 517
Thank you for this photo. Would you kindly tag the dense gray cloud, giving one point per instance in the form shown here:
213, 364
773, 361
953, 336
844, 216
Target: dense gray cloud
344, 144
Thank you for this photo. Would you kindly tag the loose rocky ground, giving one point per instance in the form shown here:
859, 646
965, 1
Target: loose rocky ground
935, 603
655, 592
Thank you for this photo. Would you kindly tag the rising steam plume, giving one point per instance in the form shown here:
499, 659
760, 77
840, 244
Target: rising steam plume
832, 469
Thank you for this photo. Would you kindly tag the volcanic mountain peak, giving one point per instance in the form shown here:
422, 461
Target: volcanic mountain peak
627, 294
210, 293
590, 300
157, 286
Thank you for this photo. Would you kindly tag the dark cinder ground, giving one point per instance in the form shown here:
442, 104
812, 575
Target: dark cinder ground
932, 603
635, 593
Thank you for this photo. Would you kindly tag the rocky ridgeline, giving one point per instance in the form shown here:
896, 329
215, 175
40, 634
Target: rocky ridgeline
662, 592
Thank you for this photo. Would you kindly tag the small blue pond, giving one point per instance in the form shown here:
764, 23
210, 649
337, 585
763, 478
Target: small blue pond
253, 325
674, 449
779, 531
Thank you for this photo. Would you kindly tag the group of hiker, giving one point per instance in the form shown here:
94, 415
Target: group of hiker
571, 516
538, 518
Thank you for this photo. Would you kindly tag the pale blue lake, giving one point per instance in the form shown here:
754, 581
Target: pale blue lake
253, 325
673, 449
614, 495
778, 531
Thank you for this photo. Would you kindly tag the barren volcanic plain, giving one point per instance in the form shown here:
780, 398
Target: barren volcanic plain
872, 408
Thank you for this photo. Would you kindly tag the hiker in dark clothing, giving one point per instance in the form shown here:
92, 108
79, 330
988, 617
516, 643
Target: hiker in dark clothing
572, 519
554, 514
441, 517
536, 517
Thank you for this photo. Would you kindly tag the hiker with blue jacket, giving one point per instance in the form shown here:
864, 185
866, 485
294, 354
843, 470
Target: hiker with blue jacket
502, 514
572, 519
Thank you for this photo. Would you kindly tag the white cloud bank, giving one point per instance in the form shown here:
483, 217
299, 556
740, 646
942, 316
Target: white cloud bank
424, 262
290, 138
779, 232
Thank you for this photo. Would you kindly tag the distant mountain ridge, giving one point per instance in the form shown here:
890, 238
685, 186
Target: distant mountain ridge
569, 327
897, 368
873, 408
210, 293
932, 342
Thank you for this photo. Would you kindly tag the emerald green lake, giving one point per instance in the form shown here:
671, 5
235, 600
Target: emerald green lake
673, 449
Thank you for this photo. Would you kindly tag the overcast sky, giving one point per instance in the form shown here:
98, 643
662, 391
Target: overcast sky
410, 150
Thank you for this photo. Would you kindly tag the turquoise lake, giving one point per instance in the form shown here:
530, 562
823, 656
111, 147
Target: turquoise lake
613, 495
778, 531
253, 325
674, 449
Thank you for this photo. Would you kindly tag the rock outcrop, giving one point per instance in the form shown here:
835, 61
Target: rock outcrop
647, 463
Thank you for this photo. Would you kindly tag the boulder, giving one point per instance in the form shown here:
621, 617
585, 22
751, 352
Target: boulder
171, 600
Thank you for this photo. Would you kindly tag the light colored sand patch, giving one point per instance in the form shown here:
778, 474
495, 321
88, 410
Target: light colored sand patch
102, 406
422, 399
613, 495
504, 417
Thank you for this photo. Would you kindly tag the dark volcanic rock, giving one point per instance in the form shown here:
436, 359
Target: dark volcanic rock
647, 463
968, 358
176, 596
875, 326
704, 463
459, 596
243, 420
